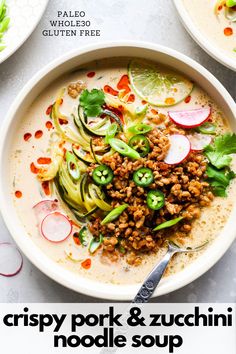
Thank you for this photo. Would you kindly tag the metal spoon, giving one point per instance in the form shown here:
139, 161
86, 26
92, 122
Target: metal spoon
153, 279
149, 285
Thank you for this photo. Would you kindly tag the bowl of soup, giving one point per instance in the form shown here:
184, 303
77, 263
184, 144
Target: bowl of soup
212, 24
109, 153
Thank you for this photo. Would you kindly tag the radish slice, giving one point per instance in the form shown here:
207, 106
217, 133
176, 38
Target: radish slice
179, 149
190, 119
44, 208
199, 141
11, 260
56, 227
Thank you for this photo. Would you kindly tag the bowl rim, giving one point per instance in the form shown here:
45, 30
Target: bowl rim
202, 40
49, 267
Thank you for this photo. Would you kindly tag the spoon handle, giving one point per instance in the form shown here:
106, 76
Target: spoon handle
153, 279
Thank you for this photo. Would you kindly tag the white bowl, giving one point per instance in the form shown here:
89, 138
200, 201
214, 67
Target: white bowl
202, 39
9, 129
24, 15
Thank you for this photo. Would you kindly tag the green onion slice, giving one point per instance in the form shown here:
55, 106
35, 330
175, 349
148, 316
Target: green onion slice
95, 244
207, 128
111, 132
168, 223
114, 214
124, 149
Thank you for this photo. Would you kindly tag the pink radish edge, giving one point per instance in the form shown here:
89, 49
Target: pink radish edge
175, 149
20, 258
43, 208
46, 223
44, 201
203, 141
177, 116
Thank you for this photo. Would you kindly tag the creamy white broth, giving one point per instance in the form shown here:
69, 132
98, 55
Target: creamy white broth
212, 26
24, 153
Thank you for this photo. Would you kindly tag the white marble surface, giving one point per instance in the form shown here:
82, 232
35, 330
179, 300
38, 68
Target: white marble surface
155, 21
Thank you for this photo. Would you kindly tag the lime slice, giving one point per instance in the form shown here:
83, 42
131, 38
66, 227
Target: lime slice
158, 85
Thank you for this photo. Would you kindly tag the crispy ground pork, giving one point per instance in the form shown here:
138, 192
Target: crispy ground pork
185, 189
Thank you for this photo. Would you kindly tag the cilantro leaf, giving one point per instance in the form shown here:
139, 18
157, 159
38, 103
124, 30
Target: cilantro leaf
218, 189
92, 102
218, 153
219, 179
222, 176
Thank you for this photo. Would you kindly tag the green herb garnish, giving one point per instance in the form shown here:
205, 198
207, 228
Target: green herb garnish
219, 152
92, 102
4, 22
219, 179
122, 250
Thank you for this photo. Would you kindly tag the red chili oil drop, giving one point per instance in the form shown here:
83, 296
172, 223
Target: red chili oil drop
49, 110
228, 31
76, 238
33, 168
187, 99
64, 151
46, 187
38, 134
144, 102
18, 194
86, 264
120, 108
123, 84
124, 81
110, 90
62, 144
153, 111
131, 98
27, 136
44, 160
63, 121
91, 74
49, 125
